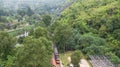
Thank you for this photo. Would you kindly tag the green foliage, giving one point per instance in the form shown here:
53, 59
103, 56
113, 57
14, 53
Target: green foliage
2, 63
81, 27
40, 32
71, 31
7, 44
62, 35
88, 42
2, 26
34, 50
25, 11
10, 61
3, 19
35, 18
75, 57
21, 12
114, 46
20, 40
99, 17
115, 59
47, 19
116, 34
41, 24
54, 26
34, 53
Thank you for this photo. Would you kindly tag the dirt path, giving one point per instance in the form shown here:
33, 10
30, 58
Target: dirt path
84, 63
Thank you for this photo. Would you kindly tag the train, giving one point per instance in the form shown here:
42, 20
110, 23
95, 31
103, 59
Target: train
56, 55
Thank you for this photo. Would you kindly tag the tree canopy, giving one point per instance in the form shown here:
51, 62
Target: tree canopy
34, 53
7, 45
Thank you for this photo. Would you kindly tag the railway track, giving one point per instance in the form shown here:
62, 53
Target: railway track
56, 58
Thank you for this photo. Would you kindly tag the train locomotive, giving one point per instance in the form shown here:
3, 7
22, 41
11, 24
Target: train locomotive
56, 55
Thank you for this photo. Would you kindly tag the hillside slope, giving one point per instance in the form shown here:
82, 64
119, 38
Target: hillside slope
92, 26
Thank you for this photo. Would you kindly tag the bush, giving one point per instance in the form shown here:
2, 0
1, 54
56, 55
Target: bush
75, 57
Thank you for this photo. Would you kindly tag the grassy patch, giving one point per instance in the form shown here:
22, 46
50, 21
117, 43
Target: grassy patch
64, 57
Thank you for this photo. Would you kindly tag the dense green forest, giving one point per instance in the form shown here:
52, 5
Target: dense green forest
90, 26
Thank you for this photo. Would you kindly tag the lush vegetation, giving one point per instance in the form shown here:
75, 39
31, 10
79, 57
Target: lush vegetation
17, 16
65, 57
91, 26
34, 51
75, 57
